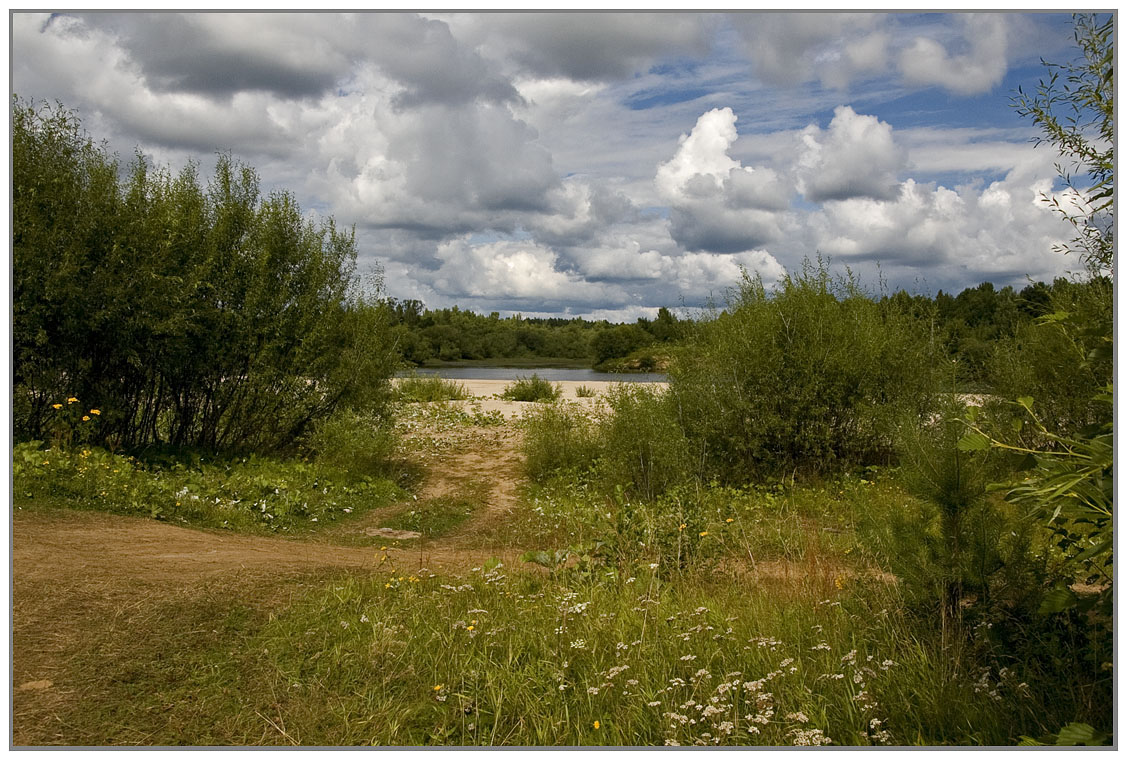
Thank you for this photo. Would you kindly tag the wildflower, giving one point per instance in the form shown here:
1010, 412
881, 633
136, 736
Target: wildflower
95, 412
470, 628
681, 527
595, 724
437, 687
56, 406
71, 400
704, 533
728, 520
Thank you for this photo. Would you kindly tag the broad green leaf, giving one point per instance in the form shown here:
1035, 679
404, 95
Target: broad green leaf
1058, 600
1079, 734
973, 442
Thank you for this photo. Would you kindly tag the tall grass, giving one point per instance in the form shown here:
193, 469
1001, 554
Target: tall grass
429, 388
531, 389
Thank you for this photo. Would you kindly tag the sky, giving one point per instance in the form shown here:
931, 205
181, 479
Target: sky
598, 165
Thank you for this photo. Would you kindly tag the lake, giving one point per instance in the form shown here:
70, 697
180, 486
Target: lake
553, 374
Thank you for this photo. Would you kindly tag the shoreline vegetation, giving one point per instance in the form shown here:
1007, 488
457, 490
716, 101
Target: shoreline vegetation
848, 518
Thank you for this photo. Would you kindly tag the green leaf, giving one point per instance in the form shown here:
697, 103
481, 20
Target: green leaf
540, 557
973, 442
1079, 734
1060, 599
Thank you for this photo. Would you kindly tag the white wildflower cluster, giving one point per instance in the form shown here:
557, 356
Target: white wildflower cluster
808, 737
879, 735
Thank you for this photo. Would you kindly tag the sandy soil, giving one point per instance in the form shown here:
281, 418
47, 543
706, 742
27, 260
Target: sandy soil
486, 393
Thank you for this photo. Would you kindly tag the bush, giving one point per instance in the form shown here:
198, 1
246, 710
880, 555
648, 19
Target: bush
1063, 360
429, 388
531, 389
958, 551
559, 438
196, 315
355, 443
584, 392
645, 449
810, 377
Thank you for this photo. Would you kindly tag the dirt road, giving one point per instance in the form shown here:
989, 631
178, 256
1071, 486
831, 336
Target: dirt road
84, 582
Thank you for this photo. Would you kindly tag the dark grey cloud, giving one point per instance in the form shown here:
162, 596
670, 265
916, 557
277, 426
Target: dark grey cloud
586, 46
221, 54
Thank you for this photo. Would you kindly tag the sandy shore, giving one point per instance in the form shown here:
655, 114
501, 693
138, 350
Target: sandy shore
485, 393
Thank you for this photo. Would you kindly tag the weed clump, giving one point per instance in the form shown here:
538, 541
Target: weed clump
429, 388
531, 389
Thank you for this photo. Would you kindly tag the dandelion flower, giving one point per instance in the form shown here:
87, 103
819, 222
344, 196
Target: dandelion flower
437, 687
470, 628
704, 533
56, 406
95, 412
85, 418
71, 400
595, 724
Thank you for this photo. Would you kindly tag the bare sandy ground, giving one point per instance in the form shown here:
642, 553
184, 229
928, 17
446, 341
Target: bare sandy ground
486, 395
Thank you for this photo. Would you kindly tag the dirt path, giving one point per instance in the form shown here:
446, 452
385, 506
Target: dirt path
84, 581
91, 547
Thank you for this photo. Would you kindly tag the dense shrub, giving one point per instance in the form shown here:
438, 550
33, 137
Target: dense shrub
810, 376
1064, 359
531, 389
644, 447
559, 438
429, 388
202, 316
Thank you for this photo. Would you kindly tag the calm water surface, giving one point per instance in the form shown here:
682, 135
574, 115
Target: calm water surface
548, 373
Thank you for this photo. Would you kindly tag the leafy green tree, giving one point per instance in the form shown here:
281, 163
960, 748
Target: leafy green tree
1074, 106
212, 317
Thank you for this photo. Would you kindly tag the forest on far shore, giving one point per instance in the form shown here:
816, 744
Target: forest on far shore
975, 327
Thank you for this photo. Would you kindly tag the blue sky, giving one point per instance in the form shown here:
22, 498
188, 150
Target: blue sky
601, 165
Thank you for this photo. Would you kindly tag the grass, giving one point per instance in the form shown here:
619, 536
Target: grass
531, 389
429, 388
584, 392
258, 494
439, 516
504, 657
703, 616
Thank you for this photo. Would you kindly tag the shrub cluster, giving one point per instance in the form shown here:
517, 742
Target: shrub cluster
531, 389
191, 315
808, 377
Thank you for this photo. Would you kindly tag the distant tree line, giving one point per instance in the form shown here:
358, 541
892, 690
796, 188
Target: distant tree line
450, 335
168, 311
970, 327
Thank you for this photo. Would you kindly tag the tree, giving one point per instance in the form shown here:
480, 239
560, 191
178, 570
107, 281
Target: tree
1074, 107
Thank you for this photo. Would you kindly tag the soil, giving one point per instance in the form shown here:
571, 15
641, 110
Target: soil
84, 578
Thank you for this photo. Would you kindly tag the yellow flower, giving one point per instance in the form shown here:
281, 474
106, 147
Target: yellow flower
85, 418
704, 533
56, 406
95, 412
681, 527
595, 725
71, 400
838, 582
728, 520
469, 628
437, 687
